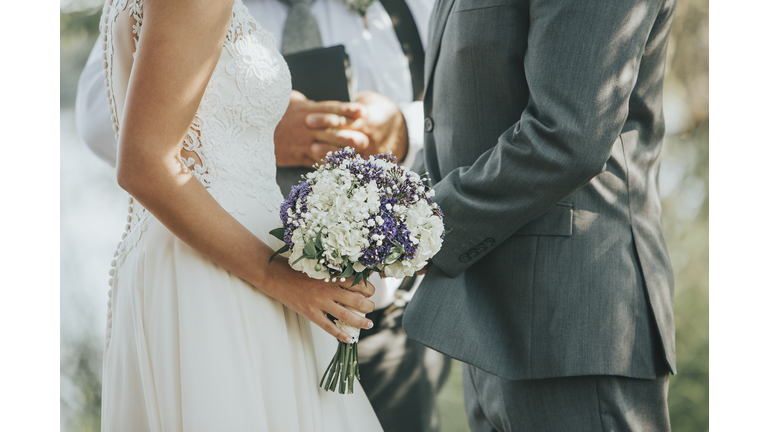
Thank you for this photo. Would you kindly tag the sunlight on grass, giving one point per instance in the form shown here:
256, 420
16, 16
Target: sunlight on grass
450, 403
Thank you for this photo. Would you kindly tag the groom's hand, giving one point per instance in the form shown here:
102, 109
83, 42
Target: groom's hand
380, 128
294, 138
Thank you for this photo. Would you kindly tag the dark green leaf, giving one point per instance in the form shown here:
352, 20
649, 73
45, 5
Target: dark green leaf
301, 258
366, 272
347, 272
278, 232
285, 248
319, 241
358, 278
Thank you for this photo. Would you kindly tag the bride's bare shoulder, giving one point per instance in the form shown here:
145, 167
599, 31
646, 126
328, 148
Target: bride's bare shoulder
179, 46
189, 16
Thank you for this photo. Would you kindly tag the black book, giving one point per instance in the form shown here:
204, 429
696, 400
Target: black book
320, 74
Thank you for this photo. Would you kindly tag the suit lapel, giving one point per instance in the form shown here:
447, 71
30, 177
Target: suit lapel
436, 28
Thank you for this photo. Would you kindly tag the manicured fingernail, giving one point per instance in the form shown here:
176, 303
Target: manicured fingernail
349, 340
370, 324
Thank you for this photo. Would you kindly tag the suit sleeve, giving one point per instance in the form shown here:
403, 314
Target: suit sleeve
92, 109
581, 66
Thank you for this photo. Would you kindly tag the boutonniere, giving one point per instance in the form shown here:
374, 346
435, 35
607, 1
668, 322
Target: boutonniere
359, 6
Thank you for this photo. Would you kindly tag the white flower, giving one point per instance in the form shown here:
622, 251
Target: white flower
397, 270
305, 265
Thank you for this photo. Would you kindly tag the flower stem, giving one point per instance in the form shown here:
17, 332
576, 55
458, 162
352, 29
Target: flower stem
342, 370
333, 362
357, 365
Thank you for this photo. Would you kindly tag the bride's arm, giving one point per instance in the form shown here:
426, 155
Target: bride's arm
181, 41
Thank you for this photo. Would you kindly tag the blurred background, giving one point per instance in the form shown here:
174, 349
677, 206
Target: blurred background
92, 212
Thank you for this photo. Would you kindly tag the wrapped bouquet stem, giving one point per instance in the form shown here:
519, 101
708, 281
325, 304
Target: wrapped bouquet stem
353, 216
343, 367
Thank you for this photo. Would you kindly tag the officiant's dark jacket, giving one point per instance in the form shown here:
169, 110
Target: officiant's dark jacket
543, 131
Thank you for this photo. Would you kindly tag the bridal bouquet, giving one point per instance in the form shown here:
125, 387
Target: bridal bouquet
353, 216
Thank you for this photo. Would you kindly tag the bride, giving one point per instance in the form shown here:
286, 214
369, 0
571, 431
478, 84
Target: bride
202, 333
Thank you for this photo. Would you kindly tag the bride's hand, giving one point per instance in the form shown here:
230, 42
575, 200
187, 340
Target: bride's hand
315, 298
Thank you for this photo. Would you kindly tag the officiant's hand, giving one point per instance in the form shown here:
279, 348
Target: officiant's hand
381, 123
294, 139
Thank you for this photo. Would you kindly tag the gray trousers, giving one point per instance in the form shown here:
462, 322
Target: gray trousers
400, 376
585, 403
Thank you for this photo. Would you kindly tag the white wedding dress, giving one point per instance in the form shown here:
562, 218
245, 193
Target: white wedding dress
190, 346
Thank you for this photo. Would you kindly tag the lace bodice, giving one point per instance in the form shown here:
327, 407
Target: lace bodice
232, 133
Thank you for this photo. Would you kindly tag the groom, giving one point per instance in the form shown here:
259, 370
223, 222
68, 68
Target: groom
543, 130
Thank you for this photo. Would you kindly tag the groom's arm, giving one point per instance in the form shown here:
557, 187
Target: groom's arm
92, 109
581, 66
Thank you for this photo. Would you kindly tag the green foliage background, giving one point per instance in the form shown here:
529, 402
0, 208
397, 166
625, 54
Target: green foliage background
685, 192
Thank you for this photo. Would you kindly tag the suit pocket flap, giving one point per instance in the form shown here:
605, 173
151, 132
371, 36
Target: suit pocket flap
558, 221
468, 5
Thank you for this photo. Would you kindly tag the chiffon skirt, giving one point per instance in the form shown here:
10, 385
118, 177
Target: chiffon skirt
195, 348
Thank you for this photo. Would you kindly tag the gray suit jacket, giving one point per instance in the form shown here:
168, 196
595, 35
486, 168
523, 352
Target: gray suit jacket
543, 130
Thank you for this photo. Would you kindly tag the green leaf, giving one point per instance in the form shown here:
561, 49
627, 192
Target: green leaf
301, 258
347, 271
278, 232
285, 248
310, 250
319, 241
366, 272
358, 278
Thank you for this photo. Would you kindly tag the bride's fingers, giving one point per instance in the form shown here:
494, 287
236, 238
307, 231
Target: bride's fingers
353, 300
350, 317
332, 329
367, 290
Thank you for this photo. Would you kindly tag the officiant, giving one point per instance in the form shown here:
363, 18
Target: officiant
384, 42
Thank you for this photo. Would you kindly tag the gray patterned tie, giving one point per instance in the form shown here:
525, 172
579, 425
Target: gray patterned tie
300, 32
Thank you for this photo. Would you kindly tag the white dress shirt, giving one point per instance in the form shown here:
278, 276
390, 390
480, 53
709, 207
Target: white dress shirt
376, 58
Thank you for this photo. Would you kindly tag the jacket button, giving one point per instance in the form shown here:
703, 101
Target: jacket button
473, 252
489, 242
464, 258
428, 125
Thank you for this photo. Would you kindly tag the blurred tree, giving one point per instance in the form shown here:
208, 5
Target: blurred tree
78, 32
685, 192
81, 385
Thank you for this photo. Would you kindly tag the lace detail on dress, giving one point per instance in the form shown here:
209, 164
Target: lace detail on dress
137, 13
